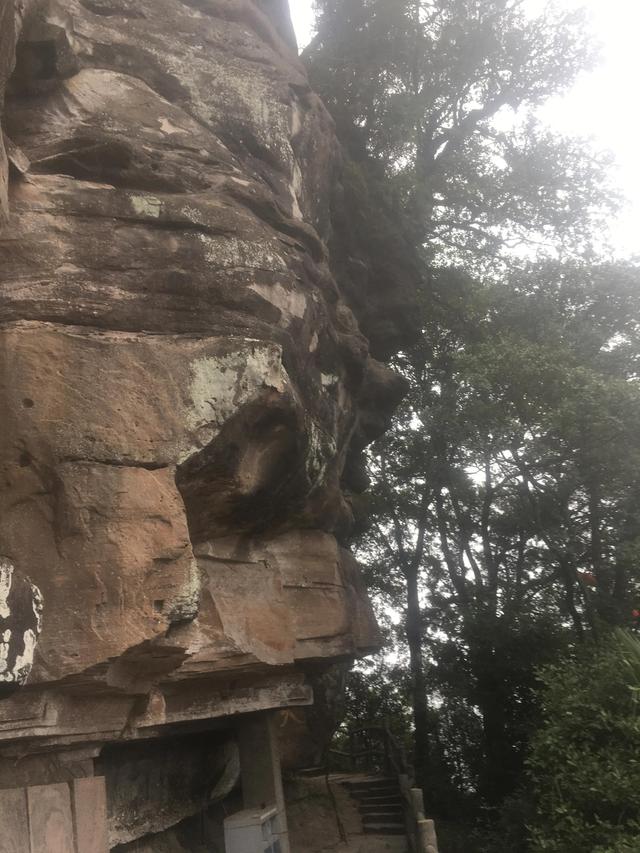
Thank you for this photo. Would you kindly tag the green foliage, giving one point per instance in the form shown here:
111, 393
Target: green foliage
442, 94
377, 691
506, 498
510, 480
585, 759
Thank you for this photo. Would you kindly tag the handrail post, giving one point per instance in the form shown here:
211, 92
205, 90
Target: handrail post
418, 802
427, 836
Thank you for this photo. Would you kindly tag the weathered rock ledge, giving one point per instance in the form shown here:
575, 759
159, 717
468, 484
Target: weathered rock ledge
184, 386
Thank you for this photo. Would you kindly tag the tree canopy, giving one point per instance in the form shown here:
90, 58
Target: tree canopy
442, 95
505, 504
507, 489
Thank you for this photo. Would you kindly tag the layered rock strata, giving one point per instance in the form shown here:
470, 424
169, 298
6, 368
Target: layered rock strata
184, 387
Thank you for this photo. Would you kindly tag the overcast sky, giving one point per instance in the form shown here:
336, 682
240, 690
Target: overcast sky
603, 104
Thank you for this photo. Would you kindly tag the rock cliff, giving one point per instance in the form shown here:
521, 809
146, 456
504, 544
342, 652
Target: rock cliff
185, 389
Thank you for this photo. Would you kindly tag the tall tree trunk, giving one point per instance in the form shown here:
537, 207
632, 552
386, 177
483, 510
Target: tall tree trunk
418, 681
499, 767
608, 609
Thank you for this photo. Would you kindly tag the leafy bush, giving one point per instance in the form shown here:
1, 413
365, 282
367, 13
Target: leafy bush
585, 758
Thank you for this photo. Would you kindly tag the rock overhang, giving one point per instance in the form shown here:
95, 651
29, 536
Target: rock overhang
184, 384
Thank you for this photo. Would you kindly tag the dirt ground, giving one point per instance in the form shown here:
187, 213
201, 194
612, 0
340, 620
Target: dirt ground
314, 824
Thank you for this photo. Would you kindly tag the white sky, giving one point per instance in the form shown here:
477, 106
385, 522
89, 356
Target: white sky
604, 104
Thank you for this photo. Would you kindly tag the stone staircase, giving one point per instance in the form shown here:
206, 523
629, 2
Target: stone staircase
379, 801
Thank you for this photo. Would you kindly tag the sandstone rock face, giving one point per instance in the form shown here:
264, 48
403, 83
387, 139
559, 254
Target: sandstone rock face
184, 386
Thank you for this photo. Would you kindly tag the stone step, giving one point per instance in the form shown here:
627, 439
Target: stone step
382, 806
368, 784
371, 799
378, 797
382, 817
357, 790
379, 804
384, 829
395, 814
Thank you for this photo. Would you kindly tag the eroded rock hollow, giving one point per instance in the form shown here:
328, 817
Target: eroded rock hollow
185, 393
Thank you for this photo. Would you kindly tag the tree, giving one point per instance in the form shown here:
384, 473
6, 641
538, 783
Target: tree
506, 496
441, 94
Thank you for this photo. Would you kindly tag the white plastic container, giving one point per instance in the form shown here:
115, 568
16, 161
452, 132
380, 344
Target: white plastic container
252, 831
